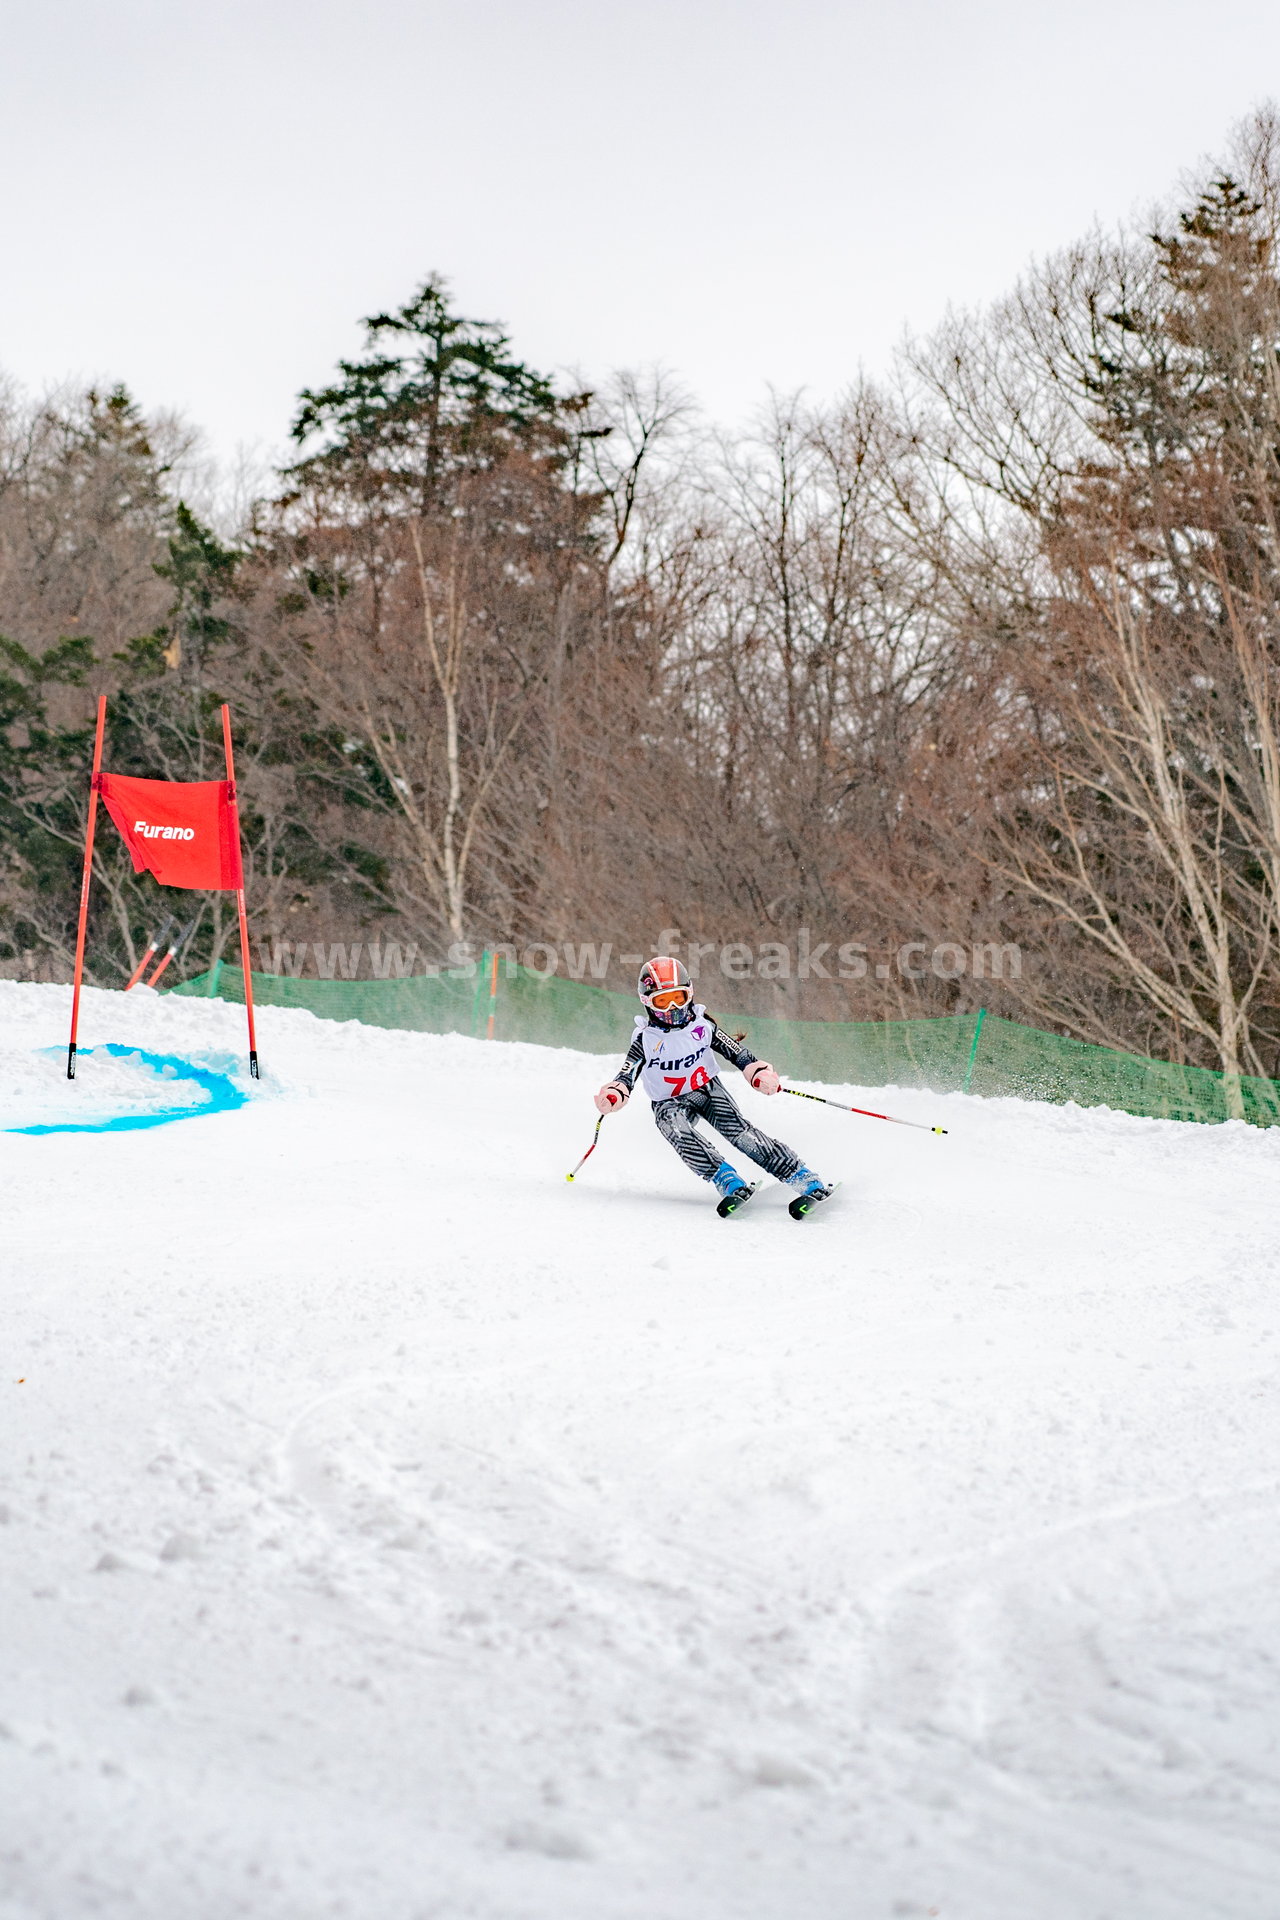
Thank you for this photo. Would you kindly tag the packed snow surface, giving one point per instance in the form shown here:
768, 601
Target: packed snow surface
393, 1530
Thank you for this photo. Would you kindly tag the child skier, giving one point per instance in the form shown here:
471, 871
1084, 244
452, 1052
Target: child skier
674, 1056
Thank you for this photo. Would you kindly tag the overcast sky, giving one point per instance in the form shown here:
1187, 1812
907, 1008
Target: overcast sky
201, 200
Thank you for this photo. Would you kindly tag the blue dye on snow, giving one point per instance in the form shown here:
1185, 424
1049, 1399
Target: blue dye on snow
224, 1095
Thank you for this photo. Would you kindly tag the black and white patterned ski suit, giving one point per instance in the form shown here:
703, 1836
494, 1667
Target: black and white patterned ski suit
676, 1115
675, 1120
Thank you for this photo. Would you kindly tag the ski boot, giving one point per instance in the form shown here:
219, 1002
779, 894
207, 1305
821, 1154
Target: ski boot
732, 1188
812, 1190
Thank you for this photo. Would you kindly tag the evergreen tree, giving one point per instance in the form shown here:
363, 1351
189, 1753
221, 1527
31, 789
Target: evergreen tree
433, 394
202, 572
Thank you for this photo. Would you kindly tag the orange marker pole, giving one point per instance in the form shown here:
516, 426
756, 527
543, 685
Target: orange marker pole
84, 883
153, 948
141, 967
163, 964
493, 994
176, 945
244, 919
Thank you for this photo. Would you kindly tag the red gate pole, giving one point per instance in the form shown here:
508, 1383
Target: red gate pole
84, 883
244, 922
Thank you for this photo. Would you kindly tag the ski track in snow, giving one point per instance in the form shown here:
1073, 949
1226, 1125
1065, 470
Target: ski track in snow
390, 1530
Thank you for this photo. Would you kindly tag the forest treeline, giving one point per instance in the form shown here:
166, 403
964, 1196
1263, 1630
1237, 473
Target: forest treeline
988, 653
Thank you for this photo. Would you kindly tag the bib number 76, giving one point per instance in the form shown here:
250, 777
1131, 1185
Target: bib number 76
694, 1081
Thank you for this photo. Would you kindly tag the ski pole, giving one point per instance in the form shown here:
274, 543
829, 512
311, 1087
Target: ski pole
590, 1150
866, 1112
152, 947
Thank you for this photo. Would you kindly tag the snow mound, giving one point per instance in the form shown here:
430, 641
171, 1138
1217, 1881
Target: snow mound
120, 1087
390, 1529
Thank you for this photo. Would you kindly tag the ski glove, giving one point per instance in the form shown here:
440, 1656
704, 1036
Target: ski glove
612, 1097
763, 1078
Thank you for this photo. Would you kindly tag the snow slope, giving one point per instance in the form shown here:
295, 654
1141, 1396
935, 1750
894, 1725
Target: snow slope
393, 1531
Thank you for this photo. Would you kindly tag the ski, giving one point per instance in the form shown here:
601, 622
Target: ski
739, 1198
806, 1202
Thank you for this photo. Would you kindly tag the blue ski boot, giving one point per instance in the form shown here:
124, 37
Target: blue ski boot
811, 1191
733, 1189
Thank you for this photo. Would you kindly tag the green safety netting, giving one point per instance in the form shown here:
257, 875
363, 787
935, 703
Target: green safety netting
973, 1053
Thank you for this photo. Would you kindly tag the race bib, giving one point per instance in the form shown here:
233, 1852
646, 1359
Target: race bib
678, 1059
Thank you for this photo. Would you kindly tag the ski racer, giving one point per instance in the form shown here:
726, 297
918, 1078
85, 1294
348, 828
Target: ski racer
673, 1054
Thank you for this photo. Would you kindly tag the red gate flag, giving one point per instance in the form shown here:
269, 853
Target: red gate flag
185, 832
